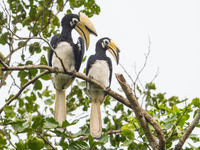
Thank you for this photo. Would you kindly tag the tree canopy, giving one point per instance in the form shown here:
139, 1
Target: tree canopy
136, 116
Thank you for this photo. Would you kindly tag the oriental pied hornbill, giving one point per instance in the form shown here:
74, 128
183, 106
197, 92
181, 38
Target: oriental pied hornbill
71, 55
99, 67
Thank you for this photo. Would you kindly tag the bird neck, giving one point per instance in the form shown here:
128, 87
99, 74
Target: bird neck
66, 35
100, 52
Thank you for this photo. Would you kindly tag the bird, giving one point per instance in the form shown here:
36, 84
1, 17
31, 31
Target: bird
68, 55
99, 67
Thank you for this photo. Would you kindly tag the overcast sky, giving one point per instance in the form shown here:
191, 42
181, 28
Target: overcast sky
174, 30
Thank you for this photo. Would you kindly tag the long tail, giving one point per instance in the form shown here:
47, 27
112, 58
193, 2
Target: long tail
95, 120
60, 107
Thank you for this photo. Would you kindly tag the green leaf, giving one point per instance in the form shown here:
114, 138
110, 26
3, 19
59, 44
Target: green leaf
175, 109
33, 72
32, 12
20, 126
21, 145
69, 11
46, 92
46, 77
76, 145
38, 122
82, 132
34, 47
37, 85
4, 38
127, 130
104, 139
126, 143
43, 60
107, 101
35, 143
3, 141
9, 111
49, 102
50, 123
196, 102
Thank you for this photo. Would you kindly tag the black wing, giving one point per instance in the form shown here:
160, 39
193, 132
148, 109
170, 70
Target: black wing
79, 50
90, 61
110, 68
53, 42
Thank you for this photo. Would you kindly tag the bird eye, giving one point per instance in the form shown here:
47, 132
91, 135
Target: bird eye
74, 21
106, 42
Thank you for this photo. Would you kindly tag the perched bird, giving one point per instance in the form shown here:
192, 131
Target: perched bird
99, 67
68, 56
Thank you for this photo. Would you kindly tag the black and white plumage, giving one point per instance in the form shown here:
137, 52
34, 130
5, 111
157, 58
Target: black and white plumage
99, 67
71, 55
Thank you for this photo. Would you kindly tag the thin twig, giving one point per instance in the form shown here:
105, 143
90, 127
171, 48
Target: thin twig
14, 81
35, 37
21, 90
144, 65
3, 63
46, 141
127, 74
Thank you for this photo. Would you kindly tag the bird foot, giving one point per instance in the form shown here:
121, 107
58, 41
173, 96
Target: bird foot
91, 77
55, 68
108, 89
73, 71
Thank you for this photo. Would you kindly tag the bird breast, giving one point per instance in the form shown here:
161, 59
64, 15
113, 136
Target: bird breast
64, 51
100, 71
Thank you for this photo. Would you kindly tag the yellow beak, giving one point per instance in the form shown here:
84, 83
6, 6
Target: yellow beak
84, 27
114, 50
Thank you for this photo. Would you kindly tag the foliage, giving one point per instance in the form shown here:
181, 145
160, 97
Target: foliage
28, 123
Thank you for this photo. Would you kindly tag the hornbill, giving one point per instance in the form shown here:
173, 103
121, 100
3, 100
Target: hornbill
68, 56
99, 67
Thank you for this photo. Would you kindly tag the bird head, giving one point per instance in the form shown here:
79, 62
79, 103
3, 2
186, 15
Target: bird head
81, 24
108, 44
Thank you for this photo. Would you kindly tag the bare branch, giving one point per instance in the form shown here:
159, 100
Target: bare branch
127, 74
188, 131
144, 65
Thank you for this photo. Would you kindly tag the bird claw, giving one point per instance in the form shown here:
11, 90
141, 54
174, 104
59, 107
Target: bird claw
55, 68
73, 71
108, 89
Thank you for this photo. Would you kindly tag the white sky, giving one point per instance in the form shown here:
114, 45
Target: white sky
174, 30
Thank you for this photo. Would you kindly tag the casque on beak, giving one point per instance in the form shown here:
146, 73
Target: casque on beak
84, 27
114, 50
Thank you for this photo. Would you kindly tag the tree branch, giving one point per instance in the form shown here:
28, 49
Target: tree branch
158, 129
110, 92
3, 63
21, 90
138, 111
188, 131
